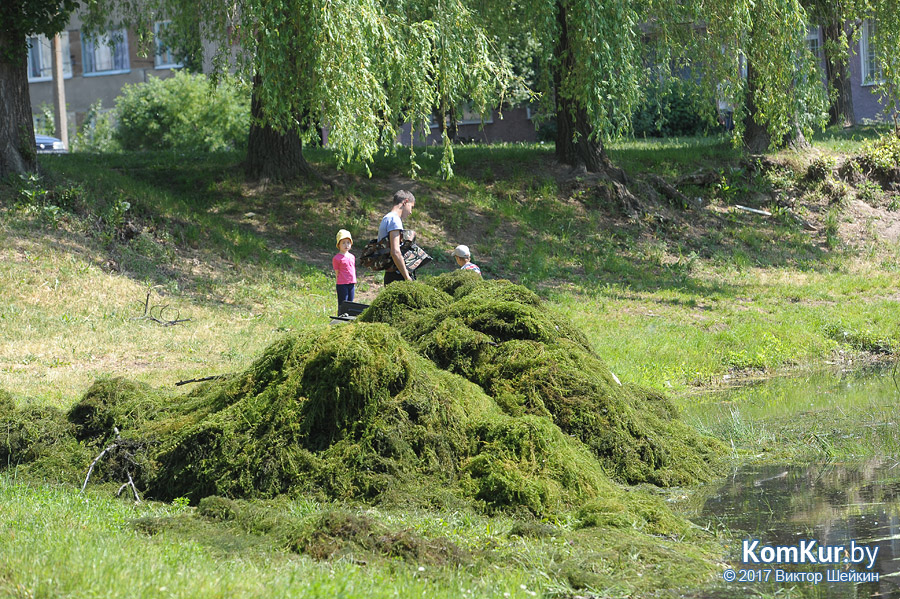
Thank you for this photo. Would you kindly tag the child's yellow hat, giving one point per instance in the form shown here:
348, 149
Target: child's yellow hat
342, 234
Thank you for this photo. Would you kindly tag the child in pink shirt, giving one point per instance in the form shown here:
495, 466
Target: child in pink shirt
344, 265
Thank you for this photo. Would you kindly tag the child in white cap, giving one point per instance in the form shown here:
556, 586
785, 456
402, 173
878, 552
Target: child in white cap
464, 259
344, 264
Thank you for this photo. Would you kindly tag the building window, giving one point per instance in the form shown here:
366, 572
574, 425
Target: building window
106, 54
814, 44
40, 58
465, 115
165, 57
871, 70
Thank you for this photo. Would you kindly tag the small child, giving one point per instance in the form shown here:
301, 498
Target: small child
344, 265
463, 259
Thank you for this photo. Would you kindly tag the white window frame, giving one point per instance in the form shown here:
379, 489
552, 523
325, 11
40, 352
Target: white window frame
866, 66
110, 39
42, 47
163, 58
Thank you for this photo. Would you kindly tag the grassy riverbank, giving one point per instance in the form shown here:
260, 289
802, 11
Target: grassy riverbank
163, 268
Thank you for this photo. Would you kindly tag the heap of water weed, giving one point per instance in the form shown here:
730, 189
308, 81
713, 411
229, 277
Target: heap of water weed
530, 361
474, 394
39, 439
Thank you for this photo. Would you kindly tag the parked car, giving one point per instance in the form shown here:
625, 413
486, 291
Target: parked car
49, 145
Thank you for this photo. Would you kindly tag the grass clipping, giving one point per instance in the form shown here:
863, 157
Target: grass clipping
458, 391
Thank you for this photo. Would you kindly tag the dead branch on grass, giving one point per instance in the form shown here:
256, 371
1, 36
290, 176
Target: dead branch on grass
200, 380
116, 446
157, 313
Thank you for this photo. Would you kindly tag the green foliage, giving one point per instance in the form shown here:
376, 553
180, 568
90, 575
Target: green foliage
183, 113
820, 169
44, 120
754, 56
885, 41
673, 108
362, 68
869, 192
880, 158
97, 131
836, 191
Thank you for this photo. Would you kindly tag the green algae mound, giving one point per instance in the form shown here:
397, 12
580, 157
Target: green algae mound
531, 361
348, 412
39, 439
460, 392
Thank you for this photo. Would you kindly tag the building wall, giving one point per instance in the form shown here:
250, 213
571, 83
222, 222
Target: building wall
866, 104
83, 91
515, 126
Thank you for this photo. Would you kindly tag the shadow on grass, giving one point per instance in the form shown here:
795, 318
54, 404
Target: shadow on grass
179, 201
506, 202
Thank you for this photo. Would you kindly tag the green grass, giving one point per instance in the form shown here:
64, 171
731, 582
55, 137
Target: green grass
848, 140
57, 542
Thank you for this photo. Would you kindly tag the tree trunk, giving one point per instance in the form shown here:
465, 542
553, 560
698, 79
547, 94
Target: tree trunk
837, 76
756, 137
576, 144
272, 155
17, 148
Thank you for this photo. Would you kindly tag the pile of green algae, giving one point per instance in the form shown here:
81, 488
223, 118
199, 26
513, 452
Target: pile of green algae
456, 391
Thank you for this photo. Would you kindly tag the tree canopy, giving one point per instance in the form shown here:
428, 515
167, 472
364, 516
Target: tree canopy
360, 67
363, 68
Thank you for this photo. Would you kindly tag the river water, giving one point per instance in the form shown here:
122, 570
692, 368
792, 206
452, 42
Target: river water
852, 505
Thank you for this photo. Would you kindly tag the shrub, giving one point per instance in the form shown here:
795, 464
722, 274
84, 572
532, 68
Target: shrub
882, 155
97, 131
673, 108
820, 169
183, 113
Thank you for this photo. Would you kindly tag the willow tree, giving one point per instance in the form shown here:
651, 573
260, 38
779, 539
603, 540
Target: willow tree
782, 93
594, 56
588, 65
361, 68
20, 19
753, 55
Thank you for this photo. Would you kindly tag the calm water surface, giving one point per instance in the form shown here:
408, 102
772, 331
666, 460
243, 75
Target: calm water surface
831, 503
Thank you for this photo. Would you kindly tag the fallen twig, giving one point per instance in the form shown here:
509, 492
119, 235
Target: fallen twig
200, 380
156, 313
97, 459
130, 483
116, 445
